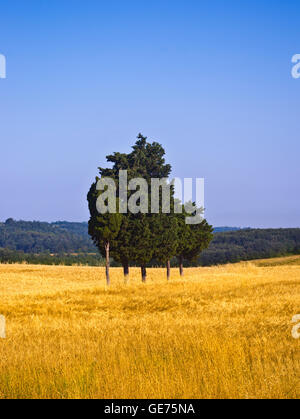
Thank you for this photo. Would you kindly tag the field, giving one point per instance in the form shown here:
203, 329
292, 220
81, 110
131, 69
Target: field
220, 332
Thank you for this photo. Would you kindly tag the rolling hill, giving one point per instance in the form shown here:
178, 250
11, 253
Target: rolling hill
69, 243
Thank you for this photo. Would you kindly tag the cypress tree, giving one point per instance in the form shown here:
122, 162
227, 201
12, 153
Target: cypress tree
147, 161
184, 242
103, 228
140, 237
201, 236
165, 237
193, 239
142, 252
123, 244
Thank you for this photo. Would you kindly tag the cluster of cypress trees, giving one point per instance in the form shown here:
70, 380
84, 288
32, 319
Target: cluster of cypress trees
141, 238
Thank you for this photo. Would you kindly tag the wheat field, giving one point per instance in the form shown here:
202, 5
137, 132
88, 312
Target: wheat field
221, 332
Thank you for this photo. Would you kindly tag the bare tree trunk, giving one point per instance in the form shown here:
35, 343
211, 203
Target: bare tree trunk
126, 271
168, 270
181, 266
144, 274
107, 264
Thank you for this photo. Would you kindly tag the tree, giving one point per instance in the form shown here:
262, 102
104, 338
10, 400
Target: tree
184, 240
137, 237
201, 236
103, 228
194, 238
122, 246
147, 161
142, 252
165, 237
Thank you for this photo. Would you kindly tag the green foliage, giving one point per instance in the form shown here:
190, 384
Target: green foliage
103, 228
193, 239
243, 245
122, 245
184, 244
137, 239
85, 259
147, 160
227, 247
200, 237
165, 232
37, 237
142, 249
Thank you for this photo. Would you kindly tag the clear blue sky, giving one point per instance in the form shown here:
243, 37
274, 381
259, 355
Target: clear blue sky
211, 80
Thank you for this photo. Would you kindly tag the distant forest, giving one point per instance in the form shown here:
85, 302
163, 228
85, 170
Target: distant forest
69, 244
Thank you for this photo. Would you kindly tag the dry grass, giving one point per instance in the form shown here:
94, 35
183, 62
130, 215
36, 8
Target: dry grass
221, 332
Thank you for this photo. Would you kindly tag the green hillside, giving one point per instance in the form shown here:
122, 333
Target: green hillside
69, 243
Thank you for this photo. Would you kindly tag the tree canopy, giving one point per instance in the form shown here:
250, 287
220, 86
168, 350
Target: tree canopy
153, 234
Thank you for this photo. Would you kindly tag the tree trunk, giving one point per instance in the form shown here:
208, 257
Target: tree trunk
126, 271
144, 274
181, 266
168, 270
107, 264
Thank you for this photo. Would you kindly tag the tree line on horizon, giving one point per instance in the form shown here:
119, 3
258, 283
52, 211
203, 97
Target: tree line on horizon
68, 243
141, 238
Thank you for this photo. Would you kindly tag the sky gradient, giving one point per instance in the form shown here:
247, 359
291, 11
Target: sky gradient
211, 81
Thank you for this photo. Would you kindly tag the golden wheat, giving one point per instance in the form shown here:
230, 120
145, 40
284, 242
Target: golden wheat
219, 332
